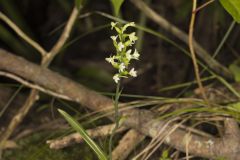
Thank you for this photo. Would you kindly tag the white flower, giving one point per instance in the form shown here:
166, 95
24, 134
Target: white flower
132, 37
136, 55
133, 73
128, 55
113, 24
121, 67
120, 46
116, 78
114, 38
110, 60
124, 52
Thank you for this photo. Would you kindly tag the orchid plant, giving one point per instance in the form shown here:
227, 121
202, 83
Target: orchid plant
123, 43
125, 52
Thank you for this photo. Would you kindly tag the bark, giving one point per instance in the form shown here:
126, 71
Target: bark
142, 120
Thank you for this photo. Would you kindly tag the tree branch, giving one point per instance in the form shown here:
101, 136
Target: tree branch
202, 53
46, 60
33, 86
127, 144
142, 120
63, 38
21, 34
100, 131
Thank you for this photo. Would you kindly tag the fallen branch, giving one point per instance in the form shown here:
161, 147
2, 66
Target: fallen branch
142, 120
127, 144
46, 60
73, 138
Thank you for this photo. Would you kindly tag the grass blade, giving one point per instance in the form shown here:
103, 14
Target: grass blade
77, 126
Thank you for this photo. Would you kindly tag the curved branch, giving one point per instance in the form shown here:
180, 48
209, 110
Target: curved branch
33, 86
202, 53
46, 60
142, 120
22, 34
63, 38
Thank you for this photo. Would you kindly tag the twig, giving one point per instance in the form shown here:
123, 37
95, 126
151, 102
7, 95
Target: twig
202, 6
21, 34
141, 120
165, 136
46, 60
202, 53
63, 38
191, 47
18, 118
33, 86
73, 138
161, 136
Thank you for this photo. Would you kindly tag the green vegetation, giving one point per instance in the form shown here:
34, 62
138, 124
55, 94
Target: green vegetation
159, 96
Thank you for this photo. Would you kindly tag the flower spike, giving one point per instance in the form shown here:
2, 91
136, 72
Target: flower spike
123, 44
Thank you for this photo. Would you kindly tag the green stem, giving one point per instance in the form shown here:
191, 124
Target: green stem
140, 32
116, 118
232, 25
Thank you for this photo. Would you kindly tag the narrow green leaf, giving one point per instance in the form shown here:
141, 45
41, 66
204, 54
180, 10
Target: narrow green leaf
229, 86
117, 5
233, 8
77, 126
